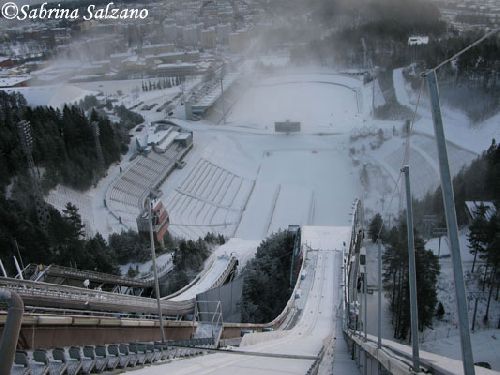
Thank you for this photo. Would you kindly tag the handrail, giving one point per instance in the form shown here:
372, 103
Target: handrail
56, 270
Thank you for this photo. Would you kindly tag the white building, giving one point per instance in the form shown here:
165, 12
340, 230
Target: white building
208, 38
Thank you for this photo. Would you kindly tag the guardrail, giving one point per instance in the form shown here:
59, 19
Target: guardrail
103, 278
44, 295
62, 296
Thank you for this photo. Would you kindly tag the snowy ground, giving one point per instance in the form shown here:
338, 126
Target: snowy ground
243, 180
294, 180
458, 128
485, 346
316, 104
258, 181
383, 157
247, 181
444, 337
55, 96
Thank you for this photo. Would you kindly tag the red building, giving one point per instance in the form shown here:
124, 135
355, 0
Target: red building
6, 62
160, 221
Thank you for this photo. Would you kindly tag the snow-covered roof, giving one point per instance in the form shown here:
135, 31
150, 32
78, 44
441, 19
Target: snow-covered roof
178, 65
418, 40
474, 206
183, 136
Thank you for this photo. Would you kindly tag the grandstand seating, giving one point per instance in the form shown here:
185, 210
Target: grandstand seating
73, 366
125, 196
209, 199
21, 364
42, 364
102, 358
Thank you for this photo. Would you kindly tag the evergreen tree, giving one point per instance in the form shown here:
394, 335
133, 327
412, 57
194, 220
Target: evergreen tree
74, 219
266, 279
440, 311
375, 226
396, 285
477, 235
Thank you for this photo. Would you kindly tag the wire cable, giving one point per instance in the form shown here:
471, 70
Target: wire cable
406, 156
461, 52
396, 188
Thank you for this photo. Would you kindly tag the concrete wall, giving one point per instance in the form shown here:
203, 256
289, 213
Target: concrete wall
52, 331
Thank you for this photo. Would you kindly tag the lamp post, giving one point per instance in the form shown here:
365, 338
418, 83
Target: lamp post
155, 272
412, 272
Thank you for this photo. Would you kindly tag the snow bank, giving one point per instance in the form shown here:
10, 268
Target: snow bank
55, 96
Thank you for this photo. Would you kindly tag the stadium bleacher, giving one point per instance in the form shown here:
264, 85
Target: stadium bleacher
126, 195
209, 199
103, 358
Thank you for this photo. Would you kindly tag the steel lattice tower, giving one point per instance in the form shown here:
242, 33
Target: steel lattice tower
42, 211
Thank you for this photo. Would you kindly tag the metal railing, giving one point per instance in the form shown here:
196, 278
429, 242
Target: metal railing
62, 296
34, 273
215, 318
391, 357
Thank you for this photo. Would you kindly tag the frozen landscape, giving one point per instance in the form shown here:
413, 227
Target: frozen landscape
244, 180
256, 152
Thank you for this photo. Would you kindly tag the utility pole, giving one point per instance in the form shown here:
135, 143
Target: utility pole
155, 272
222, 94
365, 308
412, 272
475, 312
451, 223
379, 323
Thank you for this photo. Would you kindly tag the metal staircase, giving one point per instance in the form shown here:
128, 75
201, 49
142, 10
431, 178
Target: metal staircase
208, 316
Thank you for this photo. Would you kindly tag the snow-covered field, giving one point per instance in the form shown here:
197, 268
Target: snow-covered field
55, 96
249, 182
244, 180
458, 128
209, 199
315, 104
299, 179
